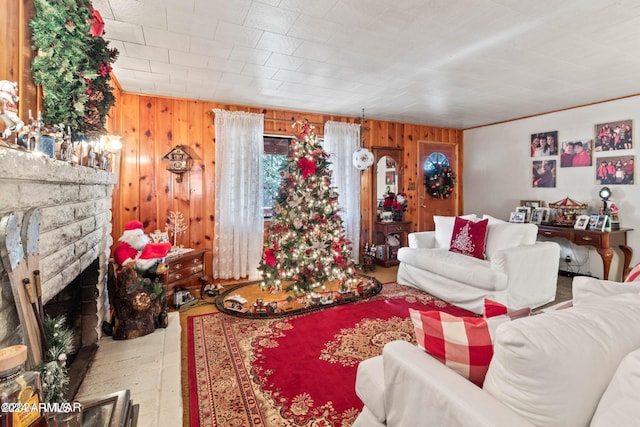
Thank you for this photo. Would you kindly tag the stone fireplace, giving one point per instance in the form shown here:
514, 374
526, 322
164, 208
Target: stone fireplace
75, 237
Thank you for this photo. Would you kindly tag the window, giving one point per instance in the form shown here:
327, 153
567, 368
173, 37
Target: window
273, 160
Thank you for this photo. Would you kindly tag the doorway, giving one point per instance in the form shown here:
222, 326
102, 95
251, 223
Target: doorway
428, 154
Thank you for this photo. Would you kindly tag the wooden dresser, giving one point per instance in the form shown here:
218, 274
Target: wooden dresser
184, 271
387, 255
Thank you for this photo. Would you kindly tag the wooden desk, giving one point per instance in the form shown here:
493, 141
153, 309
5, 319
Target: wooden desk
602, 241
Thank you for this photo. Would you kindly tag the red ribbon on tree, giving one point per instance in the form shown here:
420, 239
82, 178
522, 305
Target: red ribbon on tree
307, 166
270, 257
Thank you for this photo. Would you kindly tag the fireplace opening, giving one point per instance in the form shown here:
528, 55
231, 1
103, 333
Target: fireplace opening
78, 301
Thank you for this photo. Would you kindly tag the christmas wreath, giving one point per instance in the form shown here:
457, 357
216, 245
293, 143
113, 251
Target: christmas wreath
441, 182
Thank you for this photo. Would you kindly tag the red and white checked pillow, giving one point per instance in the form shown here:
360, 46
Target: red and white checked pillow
634, 274
464, 344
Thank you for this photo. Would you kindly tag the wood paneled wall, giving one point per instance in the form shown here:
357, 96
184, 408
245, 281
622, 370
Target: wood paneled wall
152, 126
16, 53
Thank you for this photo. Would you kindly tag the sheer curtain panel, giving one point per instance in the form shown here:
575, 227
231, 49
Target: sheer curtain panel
239, 222
341, 140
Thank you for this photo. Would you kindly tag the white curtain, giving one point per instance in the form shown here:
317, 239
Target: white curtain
341, 140
239, 222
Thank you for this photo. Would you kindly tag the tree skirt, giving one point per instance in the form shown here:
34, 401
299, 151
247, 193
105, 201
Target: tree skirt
294, 371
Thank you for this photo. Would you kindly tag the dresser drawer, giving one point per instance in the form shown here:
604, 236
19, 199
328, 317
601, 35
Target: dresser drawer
591, 239
566, 234
184, 272
185, 262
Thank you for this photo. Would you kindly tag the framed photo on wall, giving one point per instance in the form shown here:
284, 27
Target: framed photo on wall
615, 170
543, 174
576, 153
613, 136
544, 144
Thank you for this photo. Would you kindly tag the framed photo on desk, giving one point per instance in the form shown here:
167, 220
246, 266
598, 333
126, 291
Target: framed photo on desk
601, 223
582, 222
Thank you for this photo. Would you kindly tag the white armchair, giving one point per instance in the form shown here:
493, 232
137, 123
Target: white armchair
518, 271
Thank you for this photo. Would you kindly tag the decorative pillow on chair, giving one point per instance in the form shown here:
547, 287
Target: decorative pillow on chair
469, 237
464, 344
444, 228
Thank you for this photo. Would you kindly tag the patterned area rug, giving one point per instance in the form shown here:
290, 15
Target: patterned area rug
293, 371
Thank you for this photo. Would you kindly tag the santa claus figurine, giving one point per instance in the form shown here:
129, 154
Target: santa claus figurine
135, 246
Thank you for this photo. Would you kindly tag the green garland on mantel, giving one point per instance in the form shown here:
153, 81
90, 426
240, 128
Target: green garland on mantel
72, 66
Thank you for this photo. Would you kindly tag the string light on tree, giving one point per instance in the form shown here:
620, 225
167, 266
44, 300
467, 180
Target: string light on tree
306, 243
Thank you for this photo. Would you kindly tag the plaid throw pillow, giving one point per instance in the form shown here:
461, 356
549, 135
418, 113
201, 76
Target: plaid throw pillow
464, 344
634, 274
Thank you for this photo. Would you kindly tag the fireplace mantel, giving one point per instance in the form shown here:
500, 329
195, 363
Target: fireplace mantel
75, 230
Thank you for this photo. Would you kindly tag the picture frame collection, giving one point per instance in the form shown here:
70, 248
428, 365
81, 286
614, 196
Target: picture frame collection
533, 211
549, 155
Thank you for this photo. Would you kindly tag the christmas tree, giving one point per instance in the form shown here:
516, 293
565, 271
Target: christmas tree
306, 246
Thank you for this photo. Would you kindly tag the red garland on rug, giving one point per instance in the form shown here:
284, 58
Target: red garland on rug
242, 372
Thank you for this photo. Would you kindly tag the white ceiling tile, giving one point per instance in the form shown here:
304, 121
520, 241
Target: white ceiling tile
188, 59
124, 31
166, 39
316, 8
269, 18
252, 56
130, 63
213, 48
260, 71
146, 52
139, 13
278, 43
225, 65
104, 8
235, 79
203, 74
238, 34
286, 62
172, 70
222, 10
185, 22
313, 29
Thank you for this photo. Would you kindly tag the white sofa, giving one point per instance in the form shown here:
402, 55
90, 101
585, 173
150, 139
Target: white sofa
577, 366
517, 271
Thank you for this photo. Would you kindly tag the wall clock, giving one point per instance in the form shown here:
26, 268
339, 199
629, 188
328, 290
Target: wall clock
178, 161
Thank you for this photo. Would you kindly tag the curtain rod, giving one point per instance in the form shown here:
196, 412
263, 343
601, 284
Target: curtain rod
291, 120
269, 119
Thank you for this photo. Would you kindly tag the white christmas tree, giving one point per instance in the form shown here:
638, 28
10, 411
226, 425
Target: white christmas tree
306, 244
176, 225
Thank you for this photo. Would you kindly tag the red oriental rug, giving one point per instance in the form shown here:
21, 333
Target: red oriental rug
293, 371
